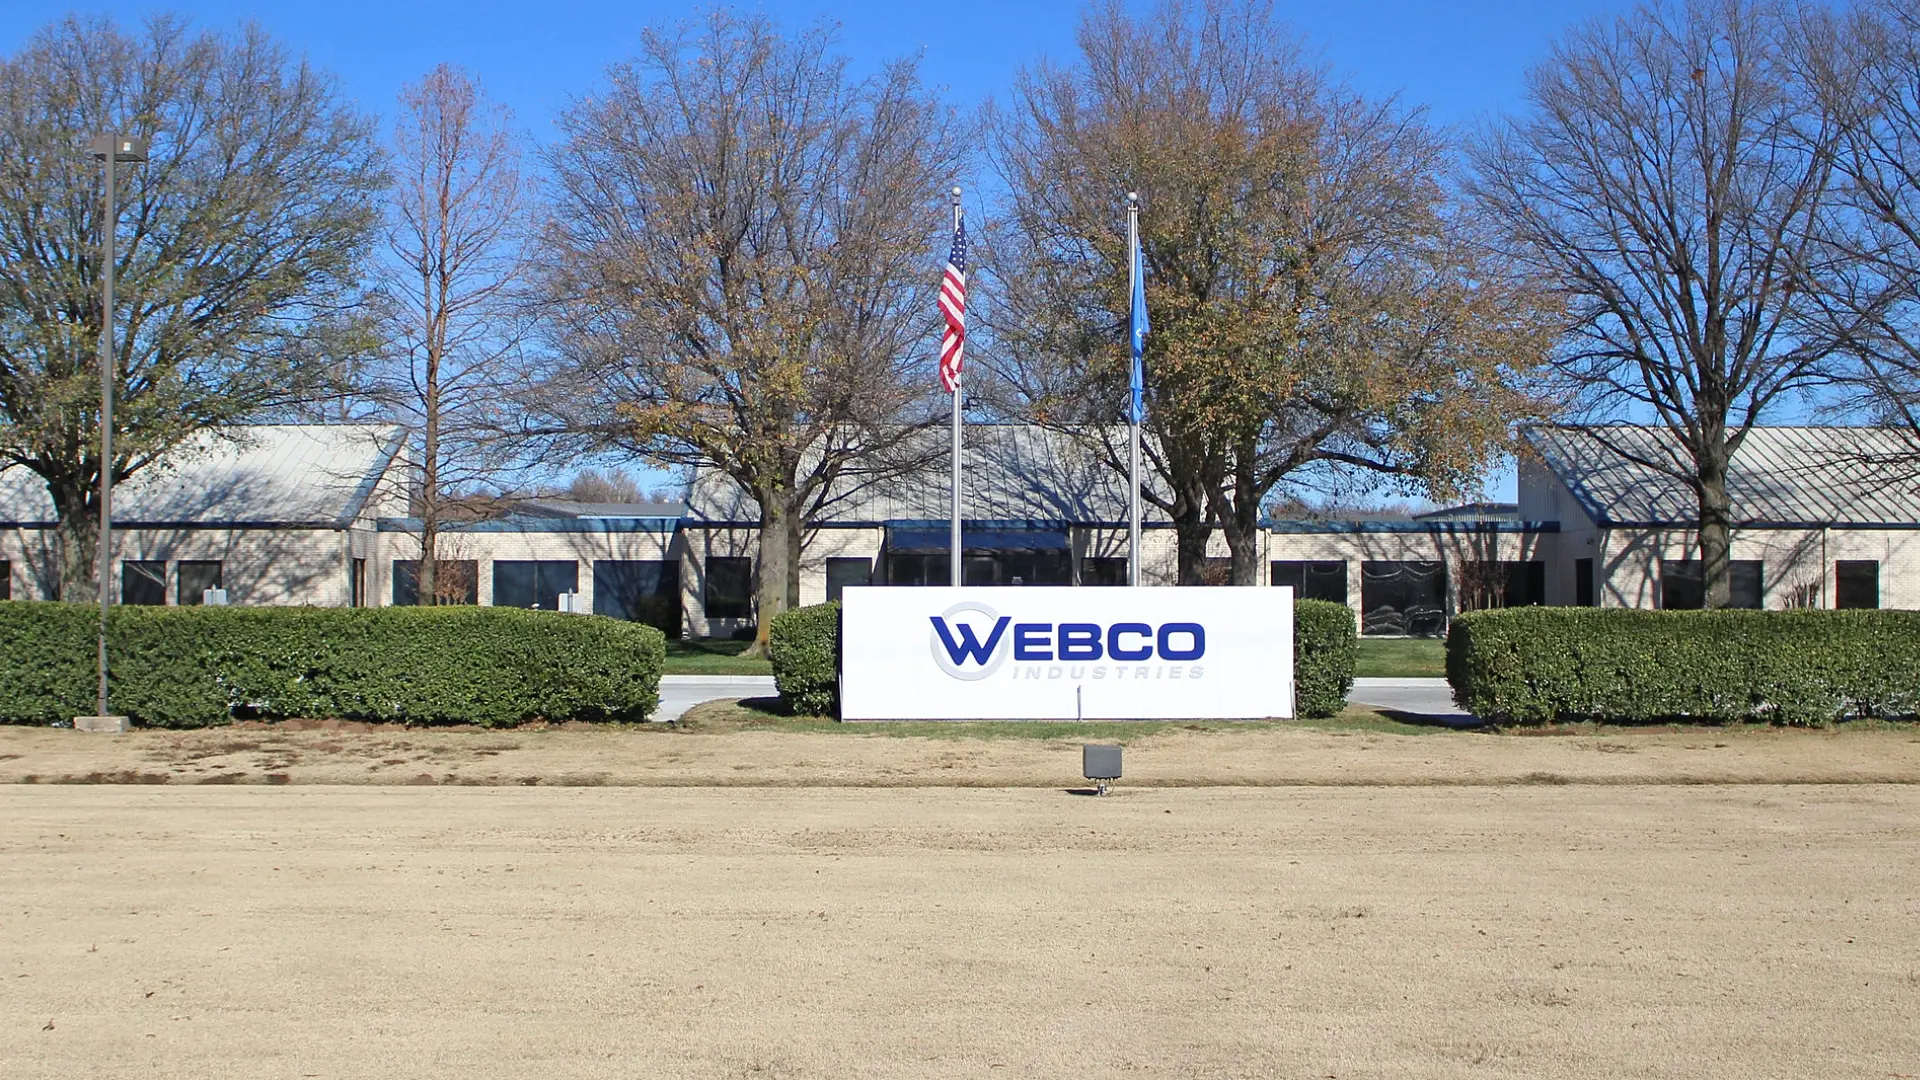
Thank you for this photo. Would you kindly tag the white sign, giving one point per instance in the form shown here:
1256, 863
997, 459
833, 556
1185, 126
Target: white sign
1063, 653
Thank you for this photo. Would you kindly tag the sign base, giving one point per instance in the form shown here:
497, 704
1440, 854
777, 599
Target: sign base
112, 724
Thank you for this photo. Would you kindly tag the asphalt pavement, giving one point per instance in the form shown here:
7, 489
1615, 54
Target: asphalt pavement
1430, 700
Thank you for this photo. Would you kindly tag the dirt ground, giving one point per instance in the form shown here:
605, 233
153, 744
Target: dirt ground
719, 751
1538, 931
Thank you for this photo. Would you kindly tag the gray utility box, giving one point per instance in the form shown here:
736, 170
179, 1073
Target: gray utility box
1100, 762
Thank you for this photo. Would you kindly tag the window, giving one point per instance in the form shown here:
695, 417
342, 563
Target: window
357, 583
729, 588
6, 579
844, 572
917, 569
1103, 570
1583, 582
1312, 580
1856, 583
1502, 583
534, 584
1683, 585
196, 576
638, 590
143, 582
455, 581
1403, 598
1018, 568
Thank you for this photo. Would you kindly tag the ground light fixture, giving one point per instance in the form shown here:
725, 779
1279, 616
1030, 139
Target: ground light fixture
110, 150
1100, 764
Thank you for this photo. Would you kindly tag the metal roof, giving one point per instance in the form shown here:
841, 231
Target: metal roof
570, 508
286, 475
1785, 477
1011, 472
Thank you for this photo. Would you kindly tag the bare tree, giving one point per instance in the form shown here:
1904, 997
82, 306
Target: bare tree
460, 214
1866, 67
1315, 302
744, 262
238, 239
1668, 181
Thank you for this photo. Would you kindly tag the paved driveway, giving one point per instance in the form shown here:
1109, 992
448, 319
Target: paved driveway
678, 693
1429, 698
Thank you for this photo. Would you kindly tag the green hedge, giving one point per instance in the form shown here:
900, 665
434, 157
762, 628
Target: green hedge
804, 645
1537, 665
198, 666
1324, 652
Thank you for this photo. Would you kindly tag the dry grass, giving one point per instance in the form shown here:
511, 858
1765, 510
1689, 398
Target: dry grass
1449, 933
749, 744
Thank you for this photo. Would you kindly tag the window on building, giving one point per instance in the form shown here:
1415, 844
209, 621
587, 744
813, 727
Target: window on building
1583, 582
455, 581
917, 569
534, 583
1856, 583
1502, 583
1016, 568
357, 583
6, 579
195, 577
1403, 597
639, 590
143, 582
729, 588
844, 572
1683, 584
1323, 580
1103, 570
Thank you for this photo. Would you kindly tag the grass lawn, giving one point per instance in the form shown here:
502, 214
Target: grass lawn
713, 656
1395, 658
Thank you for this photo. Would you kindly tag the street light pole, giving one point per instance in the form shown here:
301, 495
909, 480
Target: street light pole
109, 149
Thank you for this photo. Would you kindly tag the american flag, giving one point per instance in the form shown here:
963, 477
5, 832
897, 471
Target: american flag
953, 305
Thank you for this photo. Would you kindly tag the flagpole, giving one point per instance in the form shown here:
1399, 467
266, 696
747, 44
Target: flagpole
1133, 414
954, 540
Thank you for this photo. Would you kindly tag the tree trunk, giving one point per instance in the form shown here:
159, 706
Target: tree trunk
1243, 543
1716, 527
78, 533
1241, 523
796, 541
770, 580
1192, 532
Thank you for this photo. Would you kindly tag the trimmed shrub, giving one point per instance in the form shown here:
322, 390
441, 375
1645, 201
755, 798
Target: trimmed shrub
804, 647
1323, 656
199, 666
1538, 665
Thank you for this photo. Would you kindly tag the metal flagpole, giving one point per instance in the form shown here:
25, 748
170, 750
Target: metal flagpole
106, 425
954, 540
1133, 409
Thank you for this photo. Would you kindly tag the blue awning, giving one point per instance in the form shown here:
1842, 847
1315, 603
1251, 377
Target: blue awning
915, 541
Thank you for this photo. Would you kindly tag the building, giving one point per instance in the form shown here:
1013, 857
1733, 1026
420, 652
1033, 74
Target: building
318, 515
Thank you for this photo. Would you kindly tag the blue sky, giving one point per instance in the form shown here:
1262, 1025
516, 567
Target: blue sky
1465, 59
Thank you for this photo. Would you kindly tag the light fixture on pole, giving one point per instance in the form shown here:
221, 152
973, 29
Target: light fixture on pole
109, 149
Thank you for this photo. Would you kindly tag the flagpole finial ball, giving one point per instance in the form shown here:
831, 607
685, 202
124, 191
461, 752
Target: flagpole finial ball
956, 192
1133, 196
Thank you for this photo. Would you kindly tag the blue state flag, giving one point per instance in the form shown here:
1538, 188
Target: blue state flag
1137, 410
